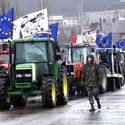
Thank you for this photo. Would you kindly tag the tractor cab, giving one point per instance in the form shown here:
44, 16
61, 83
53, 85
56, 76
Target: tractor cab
33, 58
76, 56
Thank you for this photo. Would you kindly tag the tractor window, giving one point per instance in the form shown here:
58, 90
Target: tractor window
5, 58
79, 54
31, 52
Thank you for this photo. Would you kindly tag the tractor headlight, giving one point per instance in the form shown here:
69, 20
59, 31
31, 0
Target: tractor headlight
18, 75
27, 75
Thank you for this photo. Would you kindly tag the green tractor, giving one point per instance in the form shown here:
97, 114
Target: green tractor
35, 69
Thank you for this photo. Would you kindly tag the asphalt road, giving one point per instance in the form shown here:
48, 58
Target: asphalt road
74, 113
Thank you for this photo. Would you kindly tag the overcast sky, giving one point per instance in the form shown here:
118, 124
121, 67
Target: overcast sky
62, 7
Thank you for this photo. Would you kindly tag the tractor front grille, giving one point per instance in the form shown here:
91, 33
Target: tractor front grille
23, 76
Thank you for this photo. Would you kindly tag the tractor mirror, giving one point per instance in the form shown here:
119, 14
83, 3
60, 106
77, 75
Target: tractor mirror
4, 47
58, 57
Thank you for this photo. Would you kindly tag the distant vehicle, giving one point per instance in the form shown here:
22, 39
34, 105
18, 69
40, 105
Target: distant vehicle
4, 56
75, 59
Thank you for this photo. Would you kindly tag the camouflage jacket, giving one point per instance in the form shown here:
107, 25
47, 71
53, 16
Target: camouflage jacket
91, 74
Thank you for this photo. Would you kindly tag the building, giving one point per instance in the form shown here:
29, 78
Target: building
107, 21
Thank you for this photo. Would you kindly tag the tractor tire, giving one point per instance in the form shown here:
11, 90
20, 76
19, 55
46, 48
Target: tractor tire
49, 92
71, 91
118, 83
122, 82
18, 101
4, 100
109, 84
63, 96
71, 86
113, 84
103, 80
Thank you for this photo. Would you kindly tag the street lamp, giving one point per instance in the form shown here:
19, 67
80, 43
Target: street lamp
121, 1
82, 13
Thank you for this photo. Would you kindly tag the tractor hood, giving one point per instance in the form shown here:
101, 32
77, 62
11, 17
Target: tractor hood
6, 66
78, 67
26, 67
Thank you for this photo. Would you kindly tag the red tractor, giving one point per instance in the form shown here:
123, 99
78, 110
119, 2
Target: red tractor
75, 59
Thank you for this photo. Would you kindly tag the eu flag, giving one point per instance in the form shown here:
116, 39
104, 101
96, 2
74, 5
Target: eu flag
120, 44
104, 41
99, 39
53, 29
41, 35
6, 24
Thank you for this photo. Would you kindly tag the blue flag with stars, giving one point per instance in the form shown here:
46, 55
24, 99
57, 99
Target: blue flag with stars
104, 41
121, 44
41, 35
6, 24
53, 29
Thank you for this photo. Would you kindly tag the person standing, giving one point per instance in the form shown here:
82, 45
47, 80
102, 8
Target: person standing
90, 76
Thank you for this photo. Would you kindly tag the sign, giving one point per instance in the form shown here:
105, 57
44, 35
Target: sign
31, 24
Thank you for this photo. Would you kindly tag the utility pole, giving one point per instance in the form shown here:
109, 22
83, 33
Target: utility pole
3, 6
100, 20
42, 6
82, 14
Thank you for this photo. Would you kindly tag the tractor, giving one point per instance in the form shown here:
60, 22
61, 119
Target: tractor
111, 60
35, 69
112, 75
75, 59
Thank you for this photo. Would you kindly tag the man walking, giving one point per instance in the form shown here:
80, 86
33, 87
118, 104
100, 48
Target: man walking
90, 77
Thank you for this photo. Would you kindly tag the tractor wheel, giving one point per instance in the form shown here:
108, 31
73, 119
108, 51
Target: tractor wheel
122, 82
113, 84
18, 101
71, 91
4, 100
118, 83
103, 81
63, 87
109, 81
49, 92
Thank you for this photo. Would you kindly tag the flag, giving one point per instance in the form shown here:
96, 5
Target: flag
120, 44
74, 39
31, 24
6, 24
41, 35
53, 29
104, 41
77, 39
98, 39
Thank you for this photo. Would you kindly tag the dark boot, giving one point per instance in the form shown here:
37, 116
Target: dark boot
99, 105
92, 108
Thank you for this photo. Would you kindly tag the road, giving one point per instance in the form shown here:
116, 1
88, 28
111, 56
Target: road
74, 113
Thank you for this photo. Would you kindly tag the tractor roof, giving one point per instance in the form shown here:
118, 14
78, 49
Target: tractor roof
33, 39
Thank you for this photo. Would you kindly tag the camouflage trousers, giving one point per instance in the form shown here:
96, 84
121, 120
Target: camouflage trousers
93, 92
